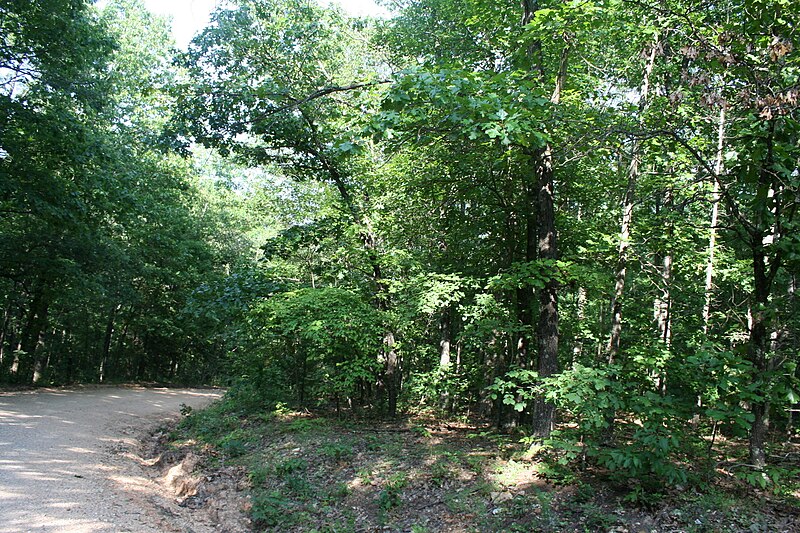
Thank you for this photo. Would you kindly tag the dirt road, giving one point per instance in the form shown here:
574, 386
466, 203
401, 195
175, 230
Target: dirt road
63, 466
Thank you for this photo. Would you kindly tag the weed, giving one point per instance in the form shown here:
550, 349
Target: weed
594, 518
281, 409
390, 446
390, 497
336, 450
269, 509
259, 475
643, 496
547, 517
443, 469
365, 476
421, 431
373, 443
304, 425
234, 447
298, 486
290, 465
340, 491
235, 443
462, 502
557, 473
440, 473
475, 463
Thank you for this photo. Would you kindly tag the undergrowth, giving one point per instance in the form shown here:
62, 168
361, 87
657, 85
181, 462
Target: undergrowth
309, 472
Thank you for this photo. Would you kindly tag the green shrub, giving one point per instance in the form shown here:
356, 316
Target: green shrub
270, 509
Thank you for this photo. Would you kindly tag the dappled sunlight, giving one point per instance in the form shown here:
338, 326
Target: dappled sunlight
64, 505
75, 442
80, 450
131, 483
397, 475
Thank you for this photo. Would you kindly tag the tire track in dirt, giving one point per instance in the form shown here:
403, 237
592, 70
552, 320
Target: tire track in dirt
61, 466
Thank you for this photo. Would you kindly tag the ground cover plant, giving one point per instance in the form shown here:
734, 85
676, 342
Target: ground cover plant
319, 472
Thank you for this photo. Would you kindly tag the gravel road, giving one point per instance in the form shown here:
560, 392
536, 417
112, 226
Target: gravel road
63, 466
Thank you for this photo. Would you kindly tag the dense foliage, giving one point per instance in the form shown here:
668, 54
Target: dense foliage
573, 218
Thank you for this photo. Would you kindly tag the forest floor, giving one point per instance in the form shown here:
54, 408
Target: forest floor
297, 471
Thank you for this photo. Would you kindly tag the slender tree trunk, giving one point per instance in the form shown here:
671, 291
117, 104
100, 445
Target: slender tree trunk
445, 337
112, 315
40, 359
664, 302
757, 352
525, 294
544, 411
3, 330
794, 347
392, 372
712, 235
14, 370
580, 314
33, 334
622, 260
662, 305
764, 270
664, 318
627, 217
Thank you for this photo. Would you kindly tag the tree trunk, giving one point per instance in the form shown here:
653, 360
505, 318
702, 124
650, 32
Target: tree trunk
33, 333
794, 347
112, 315
547, 243
525, 294
662, 304
391, 373
627, 217
3, 330
445, 337
544, 411
40, 360
580, 314
757, 352
764, 271
14, 370
712, 235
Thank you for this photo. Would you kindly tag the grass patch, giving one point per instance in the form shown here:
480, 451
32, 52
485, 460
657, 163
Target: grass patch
311, 473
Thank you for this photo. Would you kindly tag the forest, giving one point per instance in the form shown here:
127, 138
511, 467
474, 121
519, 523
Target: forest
575, 219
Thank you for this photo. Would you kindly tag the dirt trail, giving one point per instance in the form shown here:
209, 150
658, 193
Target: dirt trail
64, 465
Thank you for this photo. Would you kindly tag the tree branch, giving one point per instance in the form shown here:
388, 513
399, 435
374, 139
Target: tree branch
295, 103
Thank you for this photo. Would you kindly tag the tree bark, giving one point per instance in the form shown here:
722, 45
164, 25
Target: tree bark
32, 339
544, 411
757, 353
627, 217
3, 330
764, 270
712, 234
445, 337
391, 373
112, 315
547, 238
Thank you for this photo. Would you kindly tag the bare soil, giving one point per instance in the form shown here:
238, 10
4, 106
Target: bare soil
70, 461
